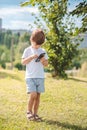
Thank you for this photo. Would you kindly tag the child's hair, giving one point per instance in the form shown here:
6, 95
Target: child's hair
38, 37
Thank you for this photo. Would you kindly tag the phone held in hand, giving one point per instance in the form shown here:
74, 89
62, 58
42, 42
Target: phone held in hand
39, 57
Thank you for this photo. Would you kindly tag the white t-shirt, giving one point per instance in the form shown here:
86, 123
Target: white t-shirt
34, 69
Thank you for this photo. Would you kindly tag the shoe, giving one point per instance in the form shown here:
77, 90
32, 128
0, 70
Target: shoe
37, 118
30, 116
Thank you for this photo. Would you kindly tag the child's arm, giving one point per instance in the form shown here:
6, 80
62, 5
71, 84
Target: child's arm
28, 59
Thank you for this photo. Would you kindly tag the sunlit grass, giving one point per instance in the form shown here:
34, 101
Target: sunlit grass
63, 106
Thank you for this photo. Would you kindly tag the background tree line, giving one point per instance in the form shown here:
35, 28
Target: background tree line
20, 41
59, 29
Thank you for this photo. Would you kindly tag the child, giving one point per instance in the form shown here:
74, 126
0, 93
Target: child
34, 72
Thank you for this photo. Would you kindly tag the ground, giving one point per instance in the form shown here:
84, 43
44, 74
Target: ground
63, 105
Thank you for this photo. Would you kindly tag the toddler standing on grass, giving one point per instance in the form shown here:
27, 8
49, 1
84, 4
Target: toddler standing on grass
35, 72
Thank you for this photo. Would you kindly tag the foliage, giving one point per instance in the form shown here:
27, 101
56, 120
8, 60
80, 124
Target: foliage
16, 38
12, 45
83, 55
60, 48
22, 44
1, 37
81, 10
19, 66
6, 38
19, 51
3, 64
4, 54
76, 64
79, 60
25, 37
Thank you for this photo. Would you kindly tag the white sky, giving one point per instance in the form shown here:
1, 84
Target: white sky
16, 17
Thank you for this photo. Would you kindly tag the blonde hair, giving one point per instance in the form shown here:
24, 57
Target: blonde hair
38, 36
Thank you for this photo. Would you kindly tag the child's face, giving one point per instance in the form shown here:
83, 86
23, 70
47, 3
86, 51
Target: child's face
34, 45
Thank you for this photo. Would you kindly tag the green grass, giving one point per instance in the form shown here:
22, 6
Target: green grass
63, 105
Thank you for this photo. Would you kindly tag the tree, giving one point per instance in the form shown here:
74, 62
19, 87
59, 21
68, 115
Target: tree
7, 40
4, 54
81, 10
60, 48
25, 37
2, 37
16, 38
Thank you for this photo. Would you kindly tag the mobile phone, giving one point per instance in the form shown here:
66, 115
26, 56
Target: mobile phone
39, 57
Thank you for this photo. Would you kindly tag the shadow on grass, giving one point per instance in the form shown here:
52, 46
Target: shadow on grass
12, 76
78, 80
65, 125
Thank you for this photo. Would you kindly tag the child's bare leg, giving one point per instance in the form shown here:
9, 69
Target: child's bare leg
32, 98
36, 103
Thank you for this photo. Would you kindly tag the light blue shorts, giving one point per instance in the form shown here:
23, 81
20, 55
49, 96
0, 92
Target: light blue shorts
35, 85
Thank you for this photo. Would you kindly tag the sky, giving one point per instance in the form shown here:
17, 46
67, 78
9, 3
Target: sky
16, 17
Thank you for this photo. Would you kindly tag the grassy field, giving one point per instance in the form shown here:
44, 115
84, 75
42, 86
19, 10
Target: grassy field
63, 106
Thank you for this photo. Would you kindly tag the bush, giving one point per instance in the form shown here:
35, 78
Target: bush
19, 66
77, 65
3, 64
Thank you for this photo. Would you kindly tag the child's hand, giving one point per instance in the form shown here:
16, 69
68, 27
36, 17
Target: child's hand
34, 56
44, 61
28, 59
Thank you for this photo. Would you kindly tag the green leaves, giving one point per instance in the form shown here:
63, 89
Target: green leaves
26, 3
34, 2
81, 11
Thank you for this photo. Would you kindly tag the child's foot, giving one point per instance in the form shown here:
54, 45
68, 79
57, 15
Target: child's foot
37, 118
30, 116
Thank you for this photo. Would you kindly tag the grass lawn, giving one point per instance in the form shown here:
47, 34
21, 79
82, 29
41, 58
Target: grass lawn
63, 105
